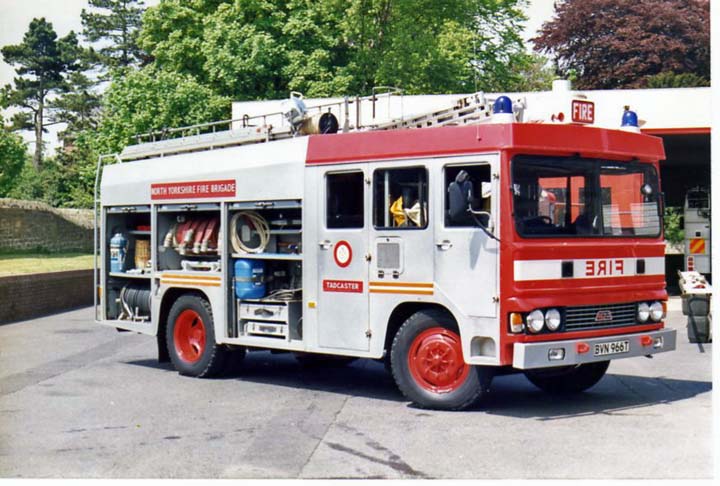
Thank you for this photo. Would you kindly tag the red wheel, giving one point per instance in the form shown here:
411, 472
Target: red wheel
435, 360
428, 366
189, 336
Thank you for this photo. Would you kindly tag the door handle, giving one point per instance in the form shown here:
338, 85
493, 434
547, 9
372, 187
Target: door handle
325, 244
444, 245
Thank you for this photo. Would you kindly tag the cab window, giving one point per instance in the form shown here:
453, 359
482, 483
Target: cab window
475, 181
400, 198
345, 201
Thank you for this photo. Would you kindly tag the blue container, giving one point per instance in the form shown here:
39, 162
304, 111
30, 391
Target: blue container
118, 252
249, 279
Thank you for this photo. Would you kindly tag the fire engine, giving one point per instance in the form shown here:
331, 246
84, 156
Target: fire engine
484, 238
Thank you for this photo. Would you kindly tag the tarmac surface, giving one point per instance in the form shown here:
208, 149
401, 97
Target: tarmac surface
79, 400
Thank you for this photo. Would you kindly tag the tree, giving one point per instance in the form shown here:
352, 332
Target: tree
115, 24
673, 80
620, 43
42, 63
154, 99
12, 158
258, 49
532, 72
78, 106
425, 46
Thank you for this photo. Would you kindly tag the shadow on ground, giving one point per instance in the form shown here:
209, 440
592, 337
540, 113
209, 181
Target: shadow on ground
510, 395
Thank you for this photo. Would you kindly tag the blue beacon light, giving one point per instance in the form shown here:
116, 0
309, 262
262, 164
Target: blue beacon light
502, 105
629, 118
503, 110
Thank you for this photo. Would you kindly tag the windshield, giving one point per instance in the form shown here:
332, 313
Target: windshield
556, 196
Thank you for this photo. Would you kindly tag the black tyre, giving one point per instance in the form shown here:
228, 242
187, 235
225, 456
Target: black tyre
568, 379
317, 360
191, 338
428, 366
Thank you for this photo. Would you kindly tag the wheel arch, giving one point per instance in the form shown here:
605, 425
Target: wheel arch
402, 312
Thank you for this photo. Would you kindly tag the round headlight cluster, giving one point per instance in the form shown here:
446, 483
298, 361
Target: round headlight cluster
553, 319
537, 320
656, 311
650, 312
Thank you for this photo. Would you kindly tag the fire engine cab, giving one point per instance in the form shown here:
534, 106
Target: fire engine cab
454, 246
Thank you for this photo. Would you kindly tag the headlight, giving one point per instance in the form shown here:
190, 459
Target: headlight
535, 321
552, 319
656, 311
643, 313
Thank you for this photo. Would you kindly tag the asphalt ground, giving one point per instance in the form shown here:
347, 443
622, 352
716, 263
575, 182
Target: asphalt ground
78, 400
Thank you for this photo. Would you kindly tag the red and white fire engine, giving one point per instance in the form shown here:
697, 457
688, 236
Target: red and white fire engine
455, 245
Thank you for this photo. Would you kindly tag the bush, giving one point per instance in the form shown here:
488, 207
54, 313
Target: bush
674, 232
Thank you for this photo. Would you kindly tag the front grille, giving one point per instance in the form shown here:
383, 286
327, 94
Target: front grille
593, 316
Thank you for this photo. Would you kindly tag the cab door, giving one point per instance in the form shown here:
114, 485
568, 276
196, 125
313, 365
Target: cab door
342, 244
466, 258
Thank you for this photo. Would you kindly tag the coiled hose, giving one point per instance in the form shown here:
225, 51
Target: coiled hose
258, 223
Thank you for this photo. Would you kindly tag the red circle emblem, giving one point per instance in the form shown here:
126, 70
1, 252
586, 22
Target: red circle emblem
342, 253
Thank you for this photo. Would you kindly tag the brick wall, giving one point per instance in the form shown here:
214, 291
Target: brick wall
27, 296
30, 225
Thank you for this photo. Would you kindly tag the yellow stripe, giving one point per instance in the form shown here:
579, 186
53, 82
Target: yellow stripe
402, 284
191, 277
198, 283
388, 291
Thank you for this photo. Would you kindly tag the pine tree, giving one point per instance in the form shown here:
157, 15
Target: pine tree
42, 63
78, 106
115, 24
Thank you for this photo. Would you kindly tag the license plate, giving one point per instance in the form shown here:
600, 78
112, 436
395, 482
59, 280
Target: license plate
615, 347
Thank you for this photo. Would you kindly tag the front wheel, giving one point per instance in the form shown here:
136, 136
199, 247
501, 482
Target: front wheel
191, 338
568, 379
428, 366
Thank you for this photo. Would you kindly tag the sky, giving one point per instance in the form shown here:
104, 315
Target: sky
15, 15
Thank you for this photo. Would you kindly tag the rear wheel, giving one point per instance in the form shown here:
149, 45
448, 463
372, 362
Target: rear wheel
191, 338
428, 366
568, 379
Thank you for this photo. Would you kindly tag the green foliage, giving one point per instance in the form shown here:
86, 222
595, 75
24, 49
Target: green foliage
673, 80
78, 106
153, 99
12, 158
673, 221
531, 73
259, 49
115, 25
42, 63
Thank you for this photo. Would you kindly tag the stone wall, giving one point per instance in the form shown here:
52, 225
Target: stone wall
30, 225
27, 296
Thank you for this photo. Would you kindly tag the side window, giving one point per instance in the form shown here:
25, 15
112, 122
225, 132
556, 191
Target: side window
400, 198
475, 181
345, 201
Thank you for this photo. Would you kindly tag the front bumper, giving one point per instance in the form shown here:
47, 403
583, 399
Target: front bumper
537, 355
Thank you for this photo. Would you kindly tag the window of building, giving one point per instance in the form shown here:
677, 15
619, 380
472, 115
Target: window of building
400, 198
345, 200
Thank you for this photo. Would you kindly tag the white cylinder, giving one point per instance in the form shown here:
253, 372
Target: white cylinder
561, 85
